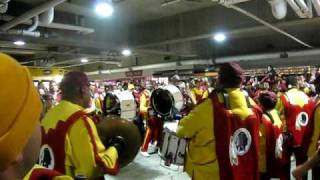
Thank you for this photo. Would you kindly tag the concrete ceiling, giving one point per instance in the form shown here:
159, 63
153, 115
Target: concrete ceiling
156, 33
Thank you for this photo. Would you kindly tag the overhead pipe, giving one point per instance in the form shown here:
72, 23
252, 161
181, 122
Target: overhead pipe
23, 32
316, 4
268, 25
29, 14
53, 25
278, 8
4, 6
300, 8
35, 24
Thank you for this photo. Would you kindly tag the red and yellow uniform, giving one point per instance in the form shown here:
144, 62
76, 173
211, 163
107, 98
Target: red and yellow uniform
313, 147
39, 172
198, 95
154, 131
296, 108
272, 159
212, 149
144, 103
154, 124
71, 144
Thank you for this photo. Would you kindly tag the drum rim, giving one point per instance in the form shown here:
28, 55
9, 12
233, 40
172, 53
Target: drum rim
153, 103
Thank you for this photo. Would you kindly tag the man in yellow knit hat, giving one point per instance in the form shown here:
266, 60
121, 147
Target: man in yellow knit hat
20, 135
71, 144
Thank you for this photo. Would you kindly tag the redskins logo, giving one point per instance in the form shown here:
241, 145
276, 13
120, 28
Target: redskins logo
46, 157
278, 148
239, 144
302, 119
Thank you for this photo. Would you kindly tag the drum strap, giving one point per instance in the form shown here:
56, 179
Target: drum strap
270, 117
227, 101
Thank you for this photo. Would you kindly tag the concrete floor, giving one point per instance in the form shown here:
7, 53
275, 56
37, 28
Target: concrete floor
149, 168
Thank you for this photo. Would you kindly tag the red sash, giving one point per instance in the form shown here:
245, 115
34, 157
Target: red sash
43, 174
299, 121
237, 143
52, 153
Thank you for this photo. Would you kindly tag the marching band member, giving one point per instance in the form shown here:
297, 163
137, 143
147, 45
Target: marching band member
223, 132
272, 160
144, 115
296, 108
20, 135
70, 143
198, 94
314, 144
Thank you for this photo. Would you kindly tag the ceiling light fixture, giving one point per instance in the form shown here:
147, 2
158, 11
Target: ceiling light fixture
126, 52
104, 9
219, 37
19, 43
84, 60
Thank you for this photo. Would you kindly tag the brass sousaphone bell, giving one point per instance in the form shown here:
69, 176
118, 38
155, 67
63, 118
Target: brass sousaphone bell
113, 126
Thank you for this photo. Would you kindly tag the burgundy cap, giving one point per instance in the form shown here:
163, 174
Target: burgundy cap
268, 100
76, 79
230, 75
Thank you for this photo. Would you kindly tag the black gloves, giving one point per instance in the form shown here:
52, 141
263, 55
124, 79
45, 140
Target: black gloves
117, 142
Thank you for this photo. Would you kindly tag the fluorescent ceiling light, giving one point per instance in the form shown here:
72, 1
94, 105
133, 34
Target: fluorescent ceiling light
84, 60
19, 43
126, 52
219, 37
104, 9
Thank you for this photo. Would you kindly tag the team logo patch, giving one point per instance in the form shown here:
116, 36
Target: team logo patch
239, 145
278, 148
46, 157
301, 120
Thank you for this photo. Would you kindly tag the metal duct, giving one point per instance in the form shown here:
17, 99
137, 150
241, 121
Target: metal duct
279, 8
23, 32
29, 14
47, 17
301, 8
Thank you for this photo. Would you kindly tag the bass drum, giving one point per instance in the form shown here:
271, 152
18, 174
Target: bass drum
121, 103
113, 126
164, 99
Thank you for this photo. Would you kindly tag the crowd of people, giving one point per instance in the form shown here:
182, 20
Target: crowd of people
236, 127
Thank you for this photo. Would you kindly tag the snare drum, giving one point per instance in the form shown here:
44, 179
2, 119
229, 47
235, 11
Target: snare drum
173, 149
